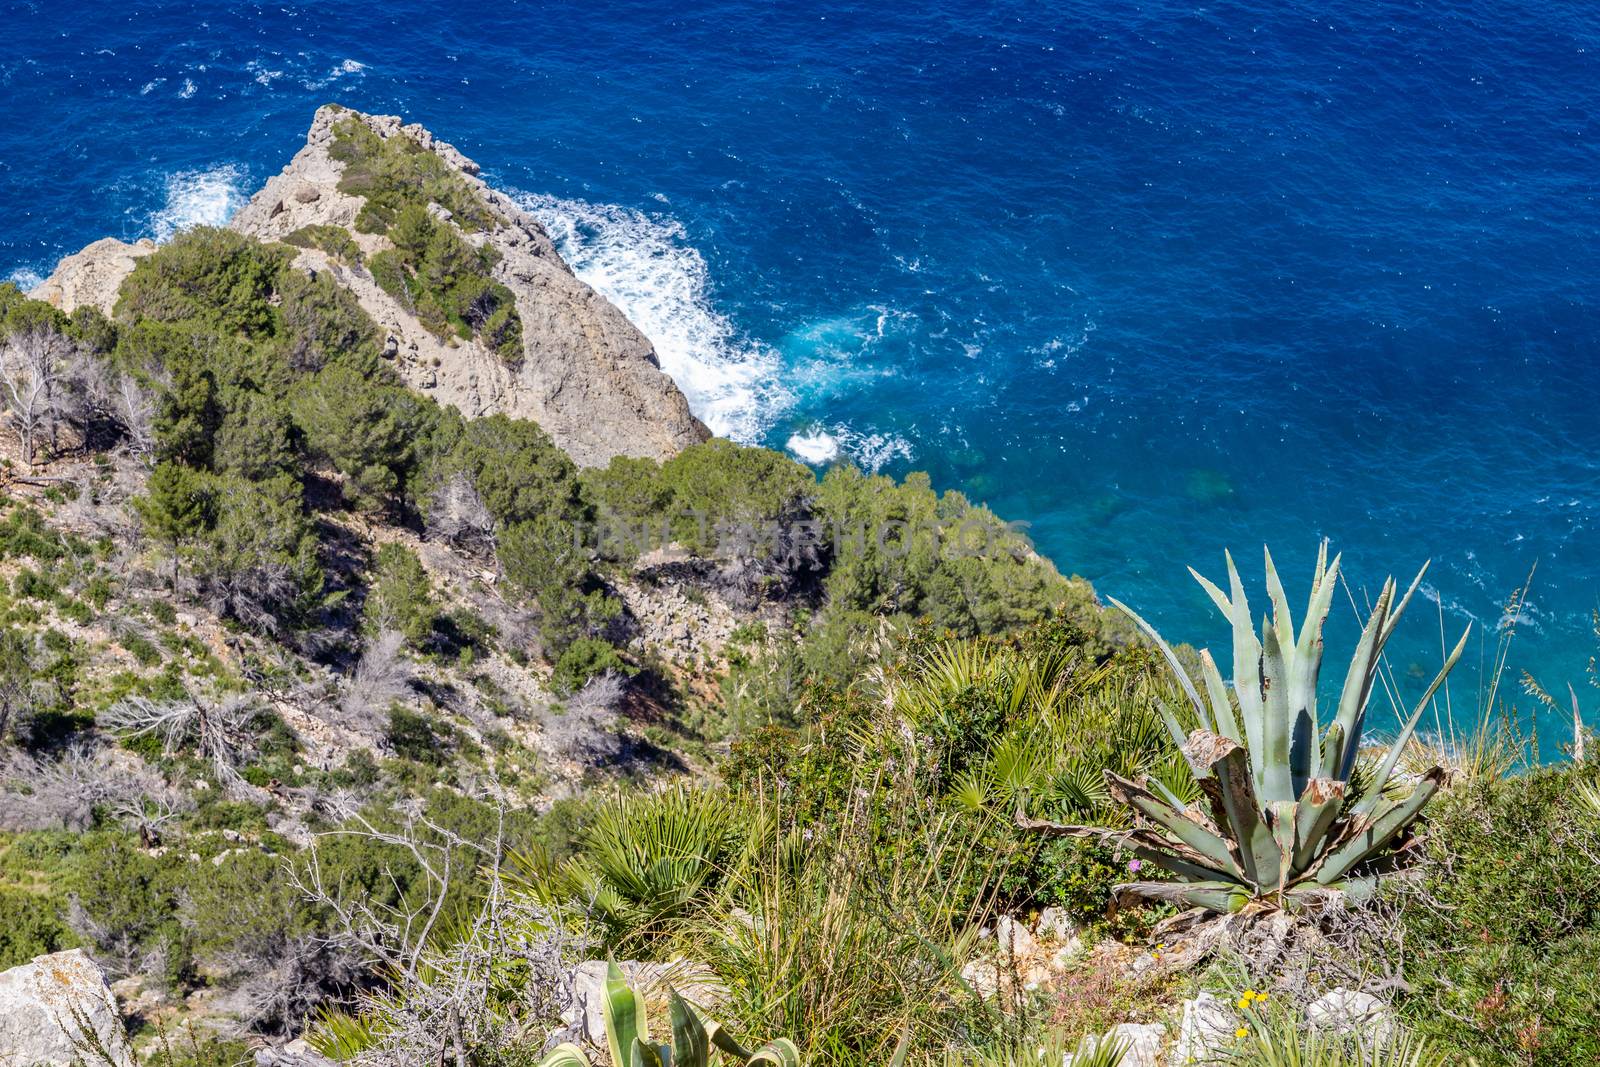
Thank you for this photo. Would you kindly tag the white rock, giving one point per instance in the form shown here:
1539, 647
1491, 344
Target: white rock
42, 1004
1208, 1027
983, 977
1055, 925
295, 1054
1016, 941
1346, 1011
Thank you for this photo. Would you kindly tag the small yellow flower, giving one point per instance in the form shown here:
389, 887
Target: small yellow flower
1244, 1002
1241, 1033
1260, 997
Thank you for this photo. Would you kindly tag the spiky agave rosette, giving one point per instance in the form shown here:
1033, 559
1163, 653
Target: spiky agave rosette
1283, 823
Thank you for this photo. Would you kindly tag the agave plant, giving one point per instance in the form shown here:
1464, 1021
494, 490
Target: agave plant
693, 1037
1288, 818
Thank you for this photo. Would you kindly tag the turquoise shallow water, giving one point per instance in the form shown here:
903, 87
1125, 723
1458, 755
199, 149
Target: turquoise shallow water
1156, 279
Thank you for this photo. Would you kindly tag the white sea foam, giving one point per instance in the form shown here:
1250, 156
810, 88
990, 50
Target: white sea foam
644, 265
187, 91
199, 198
25, 278
815, 446
870, 450
263, 75
342, 69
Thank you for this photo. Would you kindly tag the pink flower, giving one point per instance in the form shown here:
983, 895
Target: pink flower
1134, 865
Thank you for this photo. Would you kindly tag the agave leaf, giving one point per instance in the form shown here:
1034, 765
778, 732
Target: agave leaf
1166, 794
644, 1054
1223, 897
1171, 720
1171, 657
1377, 831
1400, 608
565, 1054
1246, 671
1308, 652
1358, 682
1160, 853
1319, 807
1217, 596
1221, 703
723, 1041
1282, 819
1276, 782
1282, 620
1249, 841
623, 1013
1185, 825
780, 1052
690, 1045
1369, 802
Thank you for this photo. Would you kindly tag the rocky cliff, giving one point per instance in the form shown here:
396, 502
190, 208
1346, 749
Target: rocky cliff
587, 376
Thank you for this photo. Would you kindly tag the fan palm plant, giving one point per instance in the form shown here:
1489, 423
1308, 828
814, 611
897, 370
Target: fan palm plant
649, 860
1289, 819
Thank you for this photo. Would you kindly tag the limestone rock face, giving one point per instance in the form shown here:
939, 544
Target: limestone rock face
588, 376
91, 278
54, 1009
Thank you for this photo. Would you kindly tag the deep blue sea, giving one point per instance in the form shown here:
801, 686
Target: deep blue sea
1156, 278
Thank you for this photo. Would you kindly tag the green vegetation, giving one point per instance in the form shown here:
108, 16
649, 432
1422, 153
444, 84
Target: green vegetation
400, 595
1501, 934
433, 270
334, 240
393, 173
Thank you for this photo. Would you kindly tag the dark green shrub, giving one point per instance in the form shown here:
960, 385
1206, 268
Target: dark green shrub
30, 925
586, 658
413, 737
142, 649
432, 270
395, 173
334, 240
400, 595
206, 275
25, 535
131, 897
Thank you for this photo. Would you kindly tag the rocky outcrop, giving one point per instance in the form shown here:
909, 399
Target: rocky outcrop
588, 376
58, 1010
91, 278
